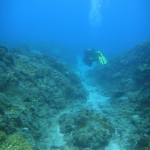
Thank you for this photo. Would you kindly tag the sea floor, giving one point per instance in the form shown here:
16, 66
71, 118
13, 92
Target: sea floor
97, 101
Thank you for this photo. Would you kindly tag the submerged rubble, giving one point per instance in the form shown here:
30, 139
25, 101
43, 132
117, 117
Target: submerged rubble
34, 88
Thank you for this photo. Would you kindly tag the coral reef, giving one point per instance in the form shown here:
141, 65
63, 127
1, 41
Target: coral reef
15, 142
2, 136
128, 72
86, 129
33, 89
127, 81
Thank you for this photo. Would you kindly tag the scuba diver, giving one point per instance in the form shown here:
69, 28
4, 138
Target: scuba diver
91, 55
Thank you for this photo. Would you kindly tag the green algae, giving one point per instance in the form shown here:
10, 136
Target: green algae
15, 142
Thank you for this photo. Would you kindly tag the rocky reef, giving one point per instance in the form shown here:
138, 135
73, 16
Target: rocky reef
34, 88
86, 129
13, 142
132, 68
126, 80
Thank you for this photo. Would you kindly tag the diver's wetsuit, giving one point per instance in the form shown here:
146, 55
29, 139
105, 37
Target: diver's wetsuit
89, 56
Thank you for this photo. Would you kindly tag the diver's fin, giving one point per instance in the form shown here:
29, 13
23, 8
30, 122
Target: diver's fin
102, 59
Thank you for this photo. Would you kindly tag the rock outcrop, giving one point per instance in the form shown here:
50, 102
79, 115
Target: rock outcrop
126, 80
34, 88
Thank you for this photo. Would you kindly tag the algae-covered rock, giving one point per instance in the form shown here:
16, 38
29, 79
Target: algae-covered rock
127, 72
143, 143
86, 129
126, 80
34, 88
15, 142
2, 136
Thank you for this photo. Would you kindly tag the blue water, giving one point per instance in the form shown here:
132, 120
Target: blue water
64, 28
112, 26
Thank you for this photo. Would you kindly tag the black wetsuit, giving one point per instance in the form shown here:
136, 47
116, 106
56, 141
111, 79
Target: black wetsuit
89, 56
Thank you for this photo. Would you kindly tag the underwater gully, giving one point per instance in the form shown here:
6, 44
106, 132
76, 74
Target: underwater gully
44, 105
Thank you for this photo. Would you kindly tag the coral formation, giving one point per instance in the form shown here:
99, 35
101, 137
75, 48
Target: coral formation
2, 136
34, 88
86, 129
127, 81
132, 68
15, 142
